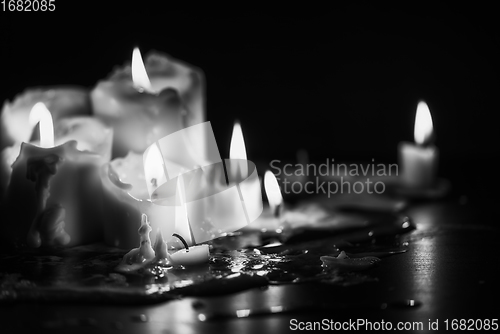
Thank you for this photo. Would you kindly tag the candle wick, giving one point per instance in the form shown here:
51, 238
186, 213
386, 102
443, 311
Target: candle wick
277, 211
182, 240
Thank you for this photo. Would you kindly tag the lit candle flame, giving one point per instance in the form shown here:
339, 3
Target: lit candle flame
139, 74
237, 150
273, 190
153, 168
40, 114
423, 124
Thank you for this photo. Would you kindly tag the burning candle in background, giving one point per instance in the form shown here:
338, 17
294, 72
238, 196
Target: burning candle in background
419, 162
192, 256
238, 151
240, 172
272, 219
145, 102
273, 194
71, 190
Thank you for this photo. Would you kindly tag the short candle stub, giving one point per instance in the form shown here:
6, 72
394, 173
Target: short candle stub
182, 240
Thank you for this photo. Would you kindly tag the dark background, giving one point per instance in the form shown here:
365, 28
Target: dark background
341, 82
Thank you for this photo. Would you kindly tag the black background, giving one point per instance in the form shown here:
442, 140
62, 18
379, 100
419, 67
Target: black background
341, 82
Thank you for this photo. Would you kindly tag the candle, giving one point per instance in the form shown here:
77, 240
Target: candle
146, 257
272, 219
214, 207
143, 109
243, 175
91, 135
179, 191
139, 257
190, 255
54, 193
419, 162
273, 193
149, 184
61, 101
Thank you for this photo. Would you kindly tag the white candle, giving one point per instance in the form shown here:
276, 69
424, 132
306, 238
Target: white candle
214, 208
419, 162
90, 133
242, 174
126, 199
143, 109
272, 219
55, 191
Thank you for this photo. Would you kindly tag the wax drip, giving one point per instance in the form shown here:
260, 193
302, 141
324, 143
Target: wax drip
160, 248
48, 226
145, 252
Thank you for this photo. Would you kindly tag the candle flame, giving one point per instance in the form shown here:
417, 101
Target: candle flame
139, 74
153, 168
423, 124
273, 190
237, 150
40, 114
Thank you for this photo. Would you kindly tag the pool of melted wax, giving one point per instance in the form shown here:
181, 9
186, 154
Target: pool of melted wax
87, 273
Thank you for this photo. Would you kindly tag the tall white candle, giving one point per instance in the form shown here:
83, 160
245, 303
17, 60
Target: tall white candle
55, 189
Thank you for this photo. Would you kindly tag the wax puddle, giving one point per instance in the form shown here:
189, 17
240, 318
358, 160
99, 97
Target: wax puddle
89, 272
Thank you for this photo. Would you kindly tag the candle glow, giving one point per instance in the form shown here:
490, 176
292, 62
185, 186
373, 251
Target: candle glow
238, 151
139, 75
154, 169
423, 124
273, 191
419, 161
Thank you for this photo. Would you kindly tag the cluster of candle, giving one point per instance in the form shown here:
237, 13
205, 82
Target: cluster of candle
51, 187
94, 173
136, 149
